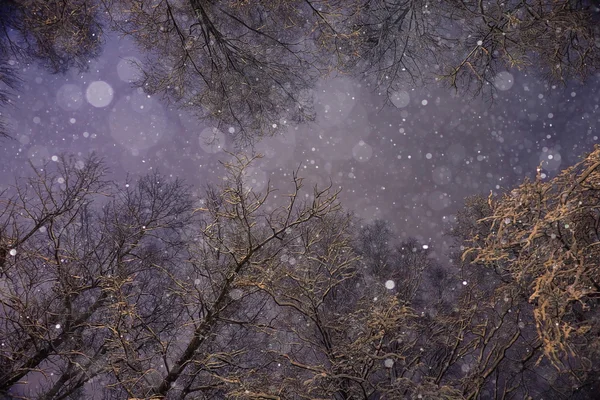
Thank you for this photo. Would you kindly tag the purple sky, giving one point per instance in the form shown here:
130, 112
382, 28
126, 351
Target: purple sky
411, 164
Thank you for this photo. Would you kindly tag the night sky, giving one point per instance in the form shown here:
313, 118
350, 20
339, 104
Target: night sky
411, 162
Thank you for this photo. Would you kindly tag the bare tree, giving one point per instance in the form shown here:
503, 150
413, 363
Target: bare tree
237, 236
470, 44
246, 66
8, 83
559, 39
139, 290
400, 42
41, 287
57, 34
403, 265
68, 275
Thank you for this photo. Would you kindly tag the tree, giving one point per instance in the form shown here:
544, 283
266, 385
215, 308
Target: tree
247, 67
43, 293
58, 34
239, 239
134, 287
539, 241
68, 273
469, 44
250, 67
559, 39
141, 290
8, 83
404, 264
400, 42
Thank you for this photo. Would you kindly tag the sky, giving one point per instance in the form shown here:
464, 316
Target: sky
410, 163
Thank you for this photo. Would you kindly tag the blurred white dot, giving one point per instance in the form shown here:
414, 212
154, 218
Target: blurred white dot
99, 94
479, 43
465, 283
36, 120
362, 151
390, 284
389, 363
504, 80
69, 97
38, 155
128, 69
428, 156
400, 99
54, 158
137, 130
212, 140
425, 247
550, 115
57, 326
72, 120
13, 252
424, 102
86, 134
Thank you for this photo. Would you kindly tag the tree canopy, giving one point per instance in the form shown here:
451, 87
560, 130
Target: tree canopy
142, 290
147, 289
250, 66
